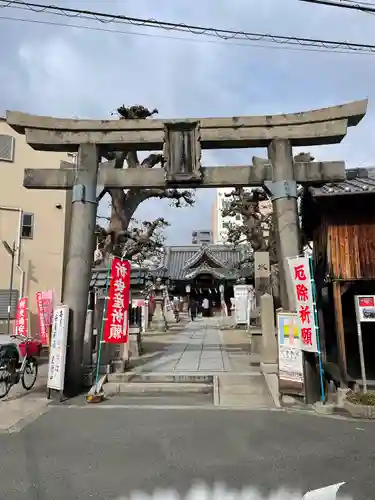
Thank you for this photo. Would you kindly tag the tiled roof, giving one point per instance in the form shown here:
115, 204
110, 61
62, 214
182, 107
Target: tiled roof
137, 277
177, 258
359, 181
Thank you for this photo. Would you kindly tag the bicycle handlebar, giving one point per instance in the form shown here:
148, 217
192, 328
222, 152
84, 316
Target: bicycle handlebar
22, 337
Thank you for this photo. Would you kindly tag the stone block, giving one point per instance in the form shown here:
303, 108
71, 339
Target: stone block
323, 409
341, 396
269, 367
269, 344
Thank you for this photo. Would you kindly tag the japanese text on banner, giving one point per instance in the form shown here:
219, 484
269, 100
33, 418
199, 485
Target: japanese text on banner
43, 333
116, 326
22, 317
301, 278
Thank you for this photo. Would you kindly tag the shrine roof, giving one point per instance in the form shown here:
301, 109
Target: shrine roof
359, 181
178, 258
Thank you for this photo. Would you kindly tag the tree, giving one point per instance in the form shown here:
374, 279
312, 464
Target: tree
140, 242
120, 237
257, 227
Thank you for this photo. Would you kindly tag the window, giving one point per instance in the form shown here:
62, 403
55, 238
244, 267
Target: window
6, 148
27, 225
238, 217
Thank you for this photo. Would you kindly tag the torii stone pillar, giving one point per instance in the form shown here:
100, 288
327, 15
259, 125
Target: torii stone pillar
80, 260
283, 189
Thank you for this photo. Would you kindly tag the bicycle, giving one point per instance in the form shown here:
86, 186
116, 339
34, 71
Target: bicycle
12, 370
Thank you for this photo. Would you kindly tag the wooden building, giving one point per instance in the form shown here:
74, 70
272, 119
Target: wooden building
339, 219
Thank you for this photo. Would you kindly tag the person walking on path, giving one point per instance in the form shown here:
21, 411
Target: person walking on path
193, 309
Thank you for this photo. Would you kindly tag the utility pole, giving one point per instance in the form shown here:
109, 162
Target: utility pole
80, 261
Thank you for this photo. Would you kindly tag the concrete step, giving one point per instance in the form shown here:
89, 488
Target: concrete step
249, 391
255, 359
116, 388
181, 378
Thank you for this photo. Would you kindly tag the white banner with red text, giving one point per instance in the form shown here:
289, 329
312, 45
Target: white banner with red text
303, 290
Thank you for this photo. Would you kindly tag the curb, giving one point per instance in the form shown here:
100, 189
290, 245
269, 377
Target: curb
115, 389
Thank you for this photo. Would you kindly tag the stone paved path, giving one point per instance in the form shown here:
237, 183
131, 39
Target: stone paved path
201, 348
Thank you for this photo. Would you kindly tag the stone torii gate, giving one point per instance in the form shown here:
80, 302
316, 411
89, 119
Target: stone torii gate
182, 141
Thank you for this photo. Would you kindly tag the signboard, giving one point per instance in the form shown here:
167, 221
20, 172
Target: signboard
241, 301
365, 313
143, 304
366, 308
301, 279
57, 353
290, 353
22, 317
116, 327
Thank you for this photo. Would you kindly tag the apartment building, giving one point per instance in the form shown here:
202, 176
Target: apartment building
32, 222
201, 237
220, 224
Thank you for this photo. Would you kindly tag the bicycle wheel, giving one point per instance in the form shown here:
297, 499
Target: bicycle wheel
5, 382
28, 377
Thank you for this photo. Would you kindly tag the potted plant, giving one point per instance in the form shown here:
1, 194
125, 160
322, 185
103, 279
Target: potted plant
360, 404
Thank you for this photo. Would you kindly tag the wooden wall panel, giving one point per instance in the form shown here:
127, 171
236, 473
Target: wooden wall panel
351, 250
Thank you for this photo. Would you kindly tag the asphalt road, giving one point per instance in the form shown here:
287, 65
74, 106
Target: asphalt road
106, 452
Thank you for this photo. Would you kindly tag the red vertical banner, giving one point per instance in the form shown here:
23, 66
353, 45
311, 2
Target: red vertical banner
43, 332
22, 317
116, 327
48, 303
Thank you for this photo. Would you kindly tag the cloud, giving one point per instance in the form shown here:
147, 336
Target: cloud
83, 72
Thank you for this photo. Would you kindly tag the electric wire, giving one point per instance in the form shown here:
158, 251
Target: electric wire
365, 7
223, 34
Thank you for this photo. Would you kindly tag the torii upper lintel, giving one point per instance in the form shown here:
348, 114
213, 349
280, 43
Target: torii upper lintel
321, 126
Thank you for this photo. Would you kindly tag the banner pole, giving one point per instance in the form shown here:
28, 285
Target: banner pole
317, 331
102, 324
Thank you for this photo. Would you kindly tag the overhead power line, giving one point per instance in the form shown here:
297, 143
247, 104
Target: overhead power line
359, 6
223, 34
190, 39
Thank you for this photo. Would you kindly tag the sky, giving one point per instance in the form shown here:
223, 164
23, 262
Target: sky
88, 73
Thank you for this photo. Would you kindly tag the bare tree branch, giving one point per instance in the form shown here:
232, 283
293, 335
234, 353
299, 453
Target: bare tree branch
142, 241
258, 227
126, 201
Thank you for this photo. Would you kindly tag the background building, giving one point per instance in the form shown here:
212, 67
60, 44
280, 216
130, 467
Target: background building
220, 224
201, 237
33, 222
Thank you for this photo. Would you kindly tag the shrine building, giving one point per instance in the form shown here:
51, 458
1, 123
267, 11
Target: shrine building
199, 270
